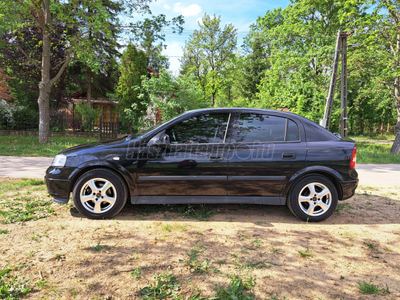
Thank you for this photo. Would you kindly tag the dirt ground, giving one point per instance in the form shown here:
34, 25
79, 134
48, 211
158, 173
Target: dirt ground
67, 257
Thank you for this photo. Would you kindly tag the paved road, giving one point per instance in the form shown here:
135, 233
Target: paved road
35, 167
24, 167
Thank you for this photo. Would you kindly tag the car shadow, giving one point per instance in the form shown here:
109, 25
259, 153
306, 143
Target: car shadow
360, 209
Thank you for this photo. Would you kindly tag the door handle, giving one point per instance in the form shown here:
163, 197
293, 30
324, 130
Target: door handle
288, 155
216, 157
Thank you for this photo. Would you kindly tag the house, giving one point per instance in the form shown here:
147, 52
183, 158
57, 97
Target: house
107, 106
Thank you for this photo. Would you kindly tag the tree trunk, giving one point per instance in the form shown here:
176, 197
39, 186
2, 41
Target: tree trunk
396, 144
212, 99
44, 114
89, 85
45, 82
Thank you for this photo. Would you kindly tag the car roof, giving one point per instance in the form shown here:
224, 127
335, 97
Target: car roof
243, 109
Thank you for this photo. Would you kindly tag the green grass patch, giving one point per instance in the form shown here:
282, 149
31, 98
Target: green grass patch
21, 184
374, 136
12, 288
165, 286
375, 153
25, 209
370, 288
199, 212
305, 253
237, 289
30, 146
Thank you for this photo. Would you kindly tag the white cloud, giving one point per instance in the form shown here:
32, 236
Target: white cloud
187, 11
166, 6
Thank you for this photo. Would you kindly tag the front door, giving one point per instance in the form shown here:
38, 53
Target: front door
194, 162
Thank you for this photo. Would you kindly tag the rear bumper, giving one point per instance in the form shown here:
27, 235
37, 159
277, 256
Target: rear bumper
348, 188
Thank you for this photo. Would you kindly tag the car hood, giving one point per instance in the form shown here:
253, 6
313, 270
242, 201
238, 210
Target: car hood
93, 147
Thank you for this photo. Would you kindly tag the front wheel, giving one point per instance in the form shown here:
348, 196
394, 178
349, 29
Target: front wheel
99, 194
313, 198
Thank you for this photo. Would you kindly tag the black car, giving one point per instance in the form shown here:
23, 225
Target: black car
222, 155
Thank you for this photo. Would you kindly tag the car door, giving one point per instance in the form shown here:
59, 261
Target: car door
192, 162
266, 151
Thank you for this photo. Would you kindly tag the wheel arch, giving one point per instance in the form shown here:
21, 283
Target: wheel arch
329, 173
87, 166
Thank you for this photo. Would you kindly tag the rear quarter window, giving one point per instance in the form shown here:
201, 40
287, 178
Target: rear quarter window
316, 133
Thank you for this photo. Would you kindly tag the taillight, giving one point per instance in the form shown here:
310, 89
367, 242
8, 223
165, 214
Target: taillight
353, 158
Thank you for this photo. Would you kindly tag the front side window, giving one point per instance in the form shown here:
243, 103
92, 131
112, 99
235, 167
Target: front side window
264, 128
207, 128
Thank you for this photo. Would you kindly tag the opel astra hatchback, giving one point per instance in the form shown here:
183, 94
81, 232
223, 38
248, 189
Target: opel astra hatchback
223, 155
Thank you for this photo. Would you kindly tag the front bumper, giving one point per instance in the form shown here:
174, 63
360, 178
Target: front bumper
58, 183
348, 188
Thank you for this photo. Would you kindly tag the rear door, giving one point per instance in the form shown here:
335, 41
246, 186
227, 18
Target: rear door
266, 150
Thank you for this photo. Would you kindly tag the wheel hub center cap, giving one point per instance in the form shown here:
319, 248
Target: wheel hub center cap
98, 195
314, 198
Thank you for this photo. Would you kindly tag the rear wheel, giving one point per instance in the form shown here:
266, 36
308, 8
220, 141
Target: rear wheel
99, 194
313, 198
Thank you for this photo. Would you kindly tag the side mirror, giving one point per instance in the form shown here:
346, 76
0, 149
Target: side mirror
159, 139
165, 139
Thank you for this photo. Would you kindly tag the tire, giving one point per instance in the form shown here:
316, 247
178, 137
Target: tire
100, 194
313, 198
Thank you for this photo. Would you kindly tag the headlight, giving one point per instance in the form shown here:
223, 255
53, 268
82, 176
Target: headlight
59, 161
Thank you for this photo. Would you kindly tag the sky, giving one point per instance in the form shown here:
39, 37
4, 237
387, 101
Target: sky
240, 13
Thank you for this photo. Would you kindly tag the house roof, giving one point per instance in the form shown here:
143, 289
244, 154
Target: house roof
80, 97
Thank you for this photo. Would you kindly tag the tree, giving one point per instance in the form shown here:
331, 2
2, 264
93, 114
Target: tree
25, 77
207, 53
378, 33
76, 16
150, 36
300, 40
5, 90
133, 67
254, 66
171, 95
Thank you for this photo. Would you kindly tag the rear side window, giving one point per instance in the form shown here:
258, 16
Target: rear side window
261, 128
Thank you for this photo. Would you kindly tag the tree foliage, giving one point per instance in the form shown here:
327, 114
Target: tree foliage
78, 20
165, 97
207, 54
132, 68
149, 34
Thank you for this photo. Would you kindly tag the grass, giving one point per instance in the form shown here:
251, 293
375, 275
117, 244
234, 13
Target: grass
306, 253
12, 288
237, 289
192, 264
98, 247
25, 209
370, 288
23, 206
29, 145
343, 206
374, 153
137, 273
167, 286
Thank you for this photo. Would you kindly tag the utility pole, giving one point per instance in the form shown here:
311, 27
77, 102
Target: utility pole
343, 92
341, 41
